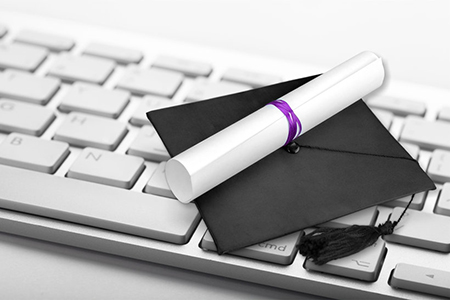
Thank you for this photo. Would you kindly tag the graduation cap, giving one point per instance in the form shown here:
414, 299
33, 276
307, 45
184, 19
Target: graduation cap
345, 164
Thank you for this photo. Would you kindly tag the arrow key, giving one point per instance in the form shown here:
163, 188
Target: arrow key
421, 279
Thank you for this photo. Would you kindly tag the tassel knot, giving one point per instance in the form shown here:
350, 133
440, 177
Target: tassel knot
386, 228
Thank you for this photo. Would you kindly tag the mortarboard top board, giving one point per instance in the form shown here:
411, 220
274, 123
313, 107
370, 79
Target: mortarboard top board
345, 164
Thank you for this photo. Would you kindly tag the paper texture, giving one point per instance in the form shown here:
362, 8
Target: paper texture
221, 156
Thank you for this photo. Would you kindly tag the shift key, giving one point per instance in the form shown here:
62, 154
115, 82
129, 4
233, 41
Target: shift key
426, 134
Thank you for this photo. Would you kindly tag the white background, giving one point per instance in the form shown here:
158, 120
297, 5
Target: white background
410, 35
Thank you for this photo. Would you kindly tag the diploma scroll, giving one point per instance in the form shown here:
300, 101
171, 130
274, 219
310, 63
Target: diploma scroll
219, 157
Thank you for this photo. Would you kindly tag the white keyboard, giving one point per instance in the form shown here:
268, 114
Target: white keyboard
81, 165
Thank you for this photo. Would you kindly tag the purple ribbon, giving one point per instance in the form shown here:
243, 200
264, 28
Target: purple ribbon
295, 126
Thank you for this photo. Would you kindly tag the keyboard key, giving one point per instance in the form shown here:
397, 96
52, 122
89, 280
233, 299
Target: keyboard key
49, 41
22, 57
417, 203
444, 114
413, 150
148, 145
3, 30
107, 168
421, 229
364, 265
363, 217
187, 67
426, 134
204, 89
401, 107
25, 151
421, 279
148, 103
95, 100
385, 117
119, 54
27, 87
82, 202
150, 81
84, 130
81, 68
157, 184
280, 251
443, 203
253, 79
439, 167
24, 118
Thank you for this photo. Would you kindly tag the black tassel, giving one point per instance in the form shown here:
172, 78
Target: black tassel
326, 244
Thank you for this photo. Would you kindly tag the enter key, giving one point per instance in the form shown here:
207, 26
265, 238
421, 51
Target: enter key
421, 229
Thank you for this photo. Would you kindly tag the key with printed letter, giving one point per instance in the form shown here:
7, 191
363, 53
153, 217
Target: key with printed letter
148, 145
107, 168
23, 151
365, 217
426, 134
39, 90
187, 67
439, 167
84, 130
443, 204
150, 81
280, 251
22, 57
24, 118
92, 99
81, 68
402, 107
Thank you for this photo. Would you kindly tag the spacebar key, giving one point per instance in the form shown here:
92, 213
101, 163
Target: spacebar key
97, 205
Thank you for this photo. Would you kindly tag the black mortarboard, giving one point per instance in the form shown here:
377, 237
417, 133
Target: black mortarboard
345, 164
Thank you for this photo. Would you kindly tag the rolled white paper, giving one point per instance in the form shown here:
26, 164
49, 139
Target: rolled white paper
226, 153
